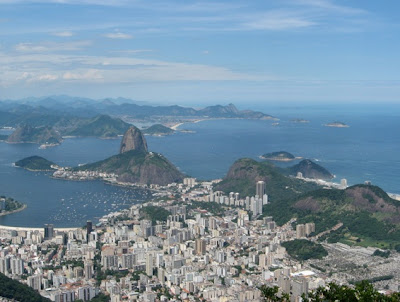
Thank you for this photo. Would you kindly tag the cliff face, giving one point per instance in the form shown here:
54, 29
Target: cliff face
310, 169
133, 140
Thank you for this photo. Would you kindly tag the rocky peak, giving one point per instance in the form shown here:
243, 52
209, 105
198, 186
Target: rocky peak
133, 140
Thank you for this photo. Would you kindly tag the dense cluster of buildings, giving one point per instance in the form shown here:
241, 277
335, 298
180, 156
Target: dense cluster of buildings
191, 254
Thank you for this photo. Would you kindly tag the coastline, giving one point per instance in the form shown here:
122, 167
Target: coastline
15, 211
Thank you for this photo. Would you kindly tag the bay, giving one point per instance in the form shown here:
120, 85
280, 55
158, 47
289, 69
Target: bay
367, 150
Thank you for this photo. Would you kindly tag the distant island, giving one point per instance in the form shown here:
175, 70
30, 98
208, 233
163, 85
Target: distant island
299, 120
36, 163
3, 137
158, 130
279, 156
337, 125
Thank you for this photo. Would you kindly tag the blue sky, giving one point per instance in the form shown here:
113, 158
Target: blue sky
201, 52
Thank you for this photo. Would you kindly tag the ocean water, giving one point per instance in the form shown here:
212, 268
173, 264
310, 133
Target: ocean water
64, 203
367, 150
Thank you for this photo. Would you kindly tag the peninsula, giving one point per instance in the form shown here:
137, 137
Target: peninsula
8, 206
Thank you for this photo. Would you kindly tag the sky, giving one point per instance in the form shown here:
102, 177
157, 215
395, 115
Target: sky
202, 52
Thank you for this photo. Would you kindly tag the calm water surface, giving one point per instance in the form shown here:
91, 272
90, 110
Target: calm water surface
367, 150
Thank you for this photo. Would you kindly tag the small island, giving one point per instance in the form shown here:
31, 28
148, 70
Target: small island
279, 156
36, 163
9, 206
3, 137
158, 130
299, 120
337, 125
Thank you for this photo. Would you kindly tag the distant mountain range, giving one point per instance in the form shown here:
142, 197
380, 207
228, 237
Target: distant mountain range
50, 110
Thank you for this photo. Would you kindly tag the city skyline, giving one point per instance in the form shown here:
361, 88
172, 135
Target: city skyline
201, 52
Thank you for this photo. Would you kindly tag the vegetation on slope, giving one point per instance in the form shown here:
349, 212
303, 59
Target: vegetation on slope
11, 204
363, 291
100, 126
39, 135
138, 167
279, 156
154, 213
12, 289
244, 173
302, 249
309, 169
368, 214
35, 163
158, 129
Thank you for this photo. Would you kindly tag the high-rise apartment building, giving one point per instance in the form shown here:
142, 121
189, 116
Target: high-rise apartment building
260, 188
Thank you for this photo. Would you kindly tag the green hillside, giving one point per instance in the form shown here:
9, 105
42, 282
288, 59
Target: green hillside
158, 129
138, 167
12, 289
39, 135
309, 169
244, 173
369, 216
35, 163
100, 126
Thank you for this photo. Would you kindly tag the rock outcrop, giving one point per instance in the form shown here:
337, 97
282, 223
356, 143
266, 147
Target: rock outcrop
134, 164
133, 140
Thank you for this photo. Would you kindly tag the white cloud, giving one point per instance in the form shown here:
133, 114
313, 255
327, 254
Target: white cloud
332, 7
89, 75
34, 77
31, 67
278, 20
63, 34
71, 2
52, 46
133, 51
118, 35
